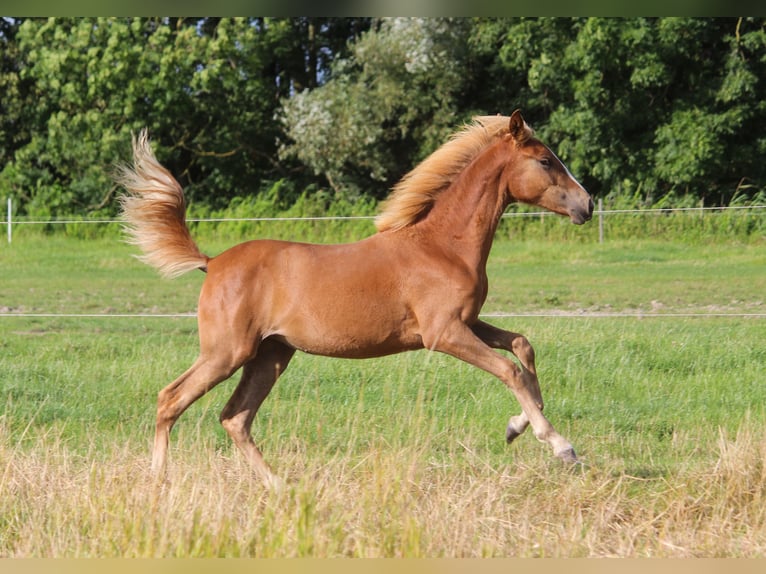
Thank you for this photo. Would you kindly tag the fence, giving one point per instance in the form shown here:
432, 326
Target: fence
600, 214
491, 315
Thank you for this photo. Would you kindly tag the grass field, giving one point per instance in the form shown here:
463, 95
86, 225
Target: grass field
401, 456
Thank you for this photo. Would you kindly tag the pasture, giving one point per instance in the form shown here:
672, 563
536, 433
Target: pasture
401, 456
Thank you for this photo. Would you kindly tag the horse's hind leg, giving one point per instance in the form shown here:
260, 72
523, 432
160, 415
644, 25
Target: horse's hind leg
258, 377
521, 348
174, 399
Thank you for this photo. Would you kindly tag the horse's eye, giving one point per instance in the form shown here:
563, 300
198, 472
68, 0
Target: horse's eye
545, 162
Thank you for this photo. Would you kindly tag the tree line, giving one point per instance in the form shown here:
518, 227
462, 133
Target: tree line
238, 107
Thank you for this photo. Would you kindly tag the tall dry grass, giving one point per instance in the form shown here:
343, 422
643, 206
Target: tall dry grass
389, 502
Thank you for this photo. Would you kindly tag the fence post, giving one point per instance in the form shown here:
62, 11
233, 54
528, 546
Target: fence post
600, 220
10, 232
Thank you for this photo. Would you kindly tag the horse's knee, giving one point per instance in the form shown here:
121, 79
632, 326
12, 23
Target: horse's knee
228, 422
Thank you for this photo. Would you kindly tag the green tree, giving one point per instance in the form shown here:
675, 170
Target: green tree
388, 104
639, 106
9, 86
713, 141
649, 105
15, 104
207, 89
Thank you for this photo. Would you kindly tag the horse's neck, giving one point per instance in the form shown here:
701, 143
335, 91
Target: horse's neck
466, 215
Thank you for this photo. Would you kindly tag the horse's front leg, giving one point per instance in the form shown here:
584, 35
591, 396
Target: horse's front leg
522, 349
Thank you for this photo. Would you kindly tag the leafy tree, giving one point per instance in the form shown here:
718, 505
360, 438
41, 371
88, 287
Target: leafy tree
9, 86
713, 142
650, 105
387, 105
206, 88
639, 106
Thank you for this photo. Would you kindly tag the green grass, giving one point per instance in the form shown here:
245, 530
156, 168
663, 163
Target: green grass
623, 390
609, 374
386, 455
101, 276
628, 276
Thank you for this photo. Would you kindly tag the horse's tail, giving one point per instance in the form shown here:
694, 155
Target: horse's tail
154, 212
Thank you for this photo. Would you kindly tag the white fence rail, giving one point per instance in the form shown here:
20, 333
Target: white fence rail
489, 315
600, 214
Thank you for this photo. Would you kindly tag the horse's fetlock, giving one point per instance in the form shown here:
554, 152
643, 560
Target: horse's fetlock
229, 421
541, 435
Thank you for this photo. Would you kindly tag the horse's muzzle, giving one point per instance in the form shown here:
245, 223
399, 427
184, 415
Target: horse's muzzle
580, 215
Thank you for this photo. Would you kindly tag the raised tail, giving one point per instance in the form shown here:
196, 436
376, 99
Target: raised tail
154, 212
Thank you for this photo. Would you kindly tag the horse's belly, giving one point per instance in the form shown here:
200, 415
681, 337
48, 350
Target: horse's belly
361, 336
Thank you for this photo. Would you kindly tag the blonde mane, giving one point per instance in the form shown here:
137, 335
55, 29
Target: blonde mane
417, 190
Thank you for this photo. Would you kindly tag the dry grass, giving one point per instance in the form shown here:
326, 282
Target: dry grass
388, 503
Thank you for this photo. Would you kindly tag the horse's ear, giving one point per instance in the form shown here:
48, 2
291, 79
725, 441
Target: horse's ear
518, 128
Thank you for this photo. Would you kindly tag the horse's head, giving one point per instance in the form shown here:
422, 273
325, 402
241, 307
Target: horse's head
537, 177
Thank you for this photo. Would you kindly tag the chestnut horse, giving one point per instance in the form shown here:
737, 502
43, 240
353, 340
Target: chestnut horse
419, 282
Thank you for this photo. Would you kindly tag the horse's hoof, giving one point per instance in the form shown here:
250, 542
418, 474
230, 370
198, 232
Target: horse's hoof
511, 434
274, 483
567, 455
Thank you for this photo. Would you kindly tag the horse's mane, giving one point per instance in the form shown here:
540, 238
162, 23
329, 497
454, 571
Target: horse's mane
417, 191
